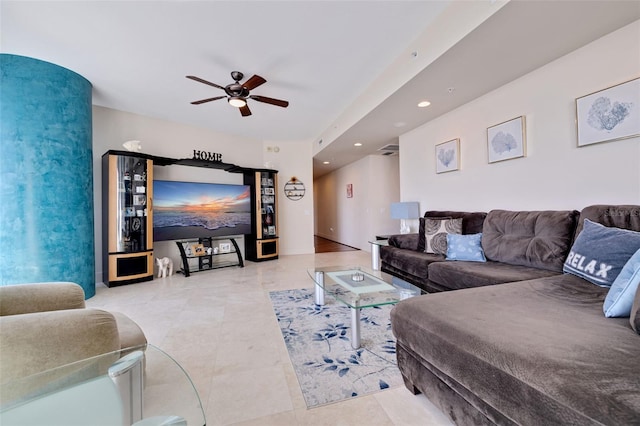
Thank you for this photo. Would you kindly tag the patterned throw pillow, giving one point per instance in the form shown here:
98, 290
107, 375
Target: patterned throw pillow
465, 247
435, 233
421, 238
619, 300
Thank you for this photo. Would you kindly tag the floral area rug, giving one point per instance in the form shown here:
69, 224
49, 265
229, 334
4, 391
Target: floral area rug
318, 339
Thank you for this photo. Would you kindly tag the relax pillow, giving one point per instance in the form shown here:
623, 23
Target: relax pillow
619, 300
465, 247
435, 233
599, 253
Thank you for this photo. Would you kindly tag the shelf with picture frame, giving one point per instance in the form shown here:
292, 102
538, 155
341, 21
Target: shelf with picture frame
262, 243
207, 253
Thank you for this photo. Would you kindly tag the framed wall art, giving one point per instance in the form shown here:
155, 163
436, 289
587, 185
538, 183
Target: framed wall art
448, 156
609, 114
507, 140
349, 190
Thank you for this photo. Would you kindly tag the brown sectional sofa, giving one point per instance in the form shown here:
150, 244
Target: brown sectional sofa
534, 350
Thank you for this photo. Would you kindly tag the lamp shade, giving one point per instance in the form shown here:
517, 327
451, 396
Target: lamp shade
405, 210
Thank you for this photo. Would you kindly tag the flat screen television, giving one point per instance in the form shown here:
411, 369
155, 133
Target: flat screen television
187, 210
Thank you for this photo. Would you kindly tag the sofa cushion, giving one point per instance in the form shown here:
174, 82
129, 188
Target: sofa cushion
600, 252
620, 216
471, 222
634, 319
539, 239
411, 262
543, 345
465, 247
458, 275
619, 300
436, 231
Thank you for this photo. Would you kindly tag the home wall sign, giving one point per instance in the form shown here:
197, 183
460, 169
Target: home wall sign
294, 189
206, 155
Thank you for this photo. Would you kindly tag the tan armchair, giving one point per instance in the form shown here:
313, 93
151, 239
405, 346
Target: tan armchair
46, 325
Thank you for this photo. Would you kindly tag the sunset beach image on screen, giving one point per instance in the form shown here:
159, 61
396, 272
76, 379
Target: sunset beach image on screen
188, 210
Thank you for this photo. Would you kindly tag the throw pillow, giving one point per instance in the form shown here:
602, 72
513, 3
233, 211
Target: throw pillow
634, 319
421, 238
465, 247
599, 253
619, 300
435, 234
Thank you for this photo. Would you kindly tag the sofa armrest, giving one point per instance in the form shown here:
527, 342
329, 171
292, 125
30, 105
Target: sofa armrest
404, 241
36, 342
40, 297
131, 335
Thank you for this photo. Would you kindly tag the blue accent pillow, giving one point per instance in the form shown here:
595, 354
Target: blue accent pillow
599, 253
465, 247
619, 300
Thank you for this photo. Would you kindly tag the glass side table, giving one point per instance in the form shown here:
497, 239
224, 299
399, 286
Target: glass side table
143, 388
375, 253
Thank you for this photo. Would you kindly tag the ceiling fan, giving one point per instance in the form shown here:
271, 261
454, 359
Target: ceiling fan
237, 93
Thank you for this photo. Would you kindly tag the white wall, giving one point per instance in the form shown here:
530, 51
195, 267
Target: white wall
295, 218
111, 128
355, 221
555, 174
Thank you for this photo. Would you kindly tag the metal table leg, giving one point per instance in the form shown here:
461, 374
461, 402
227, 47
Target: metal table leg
375, 256
319, 288
355, 327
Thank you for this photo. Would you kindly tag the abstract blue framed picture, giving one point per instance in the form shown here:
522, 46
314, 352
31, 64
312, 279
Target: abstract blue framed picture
507, 140
448, 156
609, 114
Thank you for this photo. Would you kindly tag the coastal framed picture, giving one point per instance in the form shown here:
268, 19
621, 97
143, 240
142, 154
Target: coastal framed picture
507, 140
610, 114
448, 156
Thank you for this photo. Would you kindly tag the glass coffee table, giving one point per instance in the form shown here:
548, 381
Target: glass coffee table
359, 288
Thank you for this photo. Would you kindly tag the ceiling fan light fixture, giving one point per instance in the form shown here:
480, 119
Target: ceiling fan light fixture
237, 102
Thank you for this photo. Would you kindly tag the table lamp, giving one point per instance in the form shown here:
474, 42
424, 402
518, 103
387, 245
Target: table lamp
403, 211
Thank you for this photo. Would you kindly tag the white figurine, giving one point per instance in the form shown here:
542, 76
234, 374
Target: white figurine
165, 267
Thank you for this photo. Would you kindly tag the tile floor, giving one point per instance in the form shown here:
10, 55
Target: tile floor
219, 325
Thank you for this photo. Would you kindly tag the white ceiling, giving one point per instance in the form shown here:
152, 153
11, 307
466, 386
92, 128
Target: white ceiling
318, 55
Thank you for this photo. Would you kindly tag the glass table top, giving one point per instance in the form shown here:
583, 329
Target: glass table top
359, 287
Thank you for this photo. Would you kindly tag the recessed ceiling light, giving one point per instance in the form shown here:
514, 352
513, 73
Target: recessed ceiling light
399, 124
326, 162
357, 144
424, 104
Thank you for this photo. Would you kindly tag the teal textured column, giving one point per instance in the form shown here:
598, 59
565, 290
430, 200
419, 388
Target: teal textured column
46, 174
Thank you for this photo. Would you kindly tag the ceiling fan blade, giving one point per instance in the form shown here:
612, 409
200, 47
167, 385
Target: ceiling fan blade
254, 82
271, 101
198, 79
245, 111
207, 100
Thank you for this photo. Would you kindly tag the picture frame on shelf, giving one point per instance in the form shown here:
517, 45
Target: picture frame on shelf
609, 114
448, 156
139, 200
271, 230
269, 191
507, 140
224, 247
198, 249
